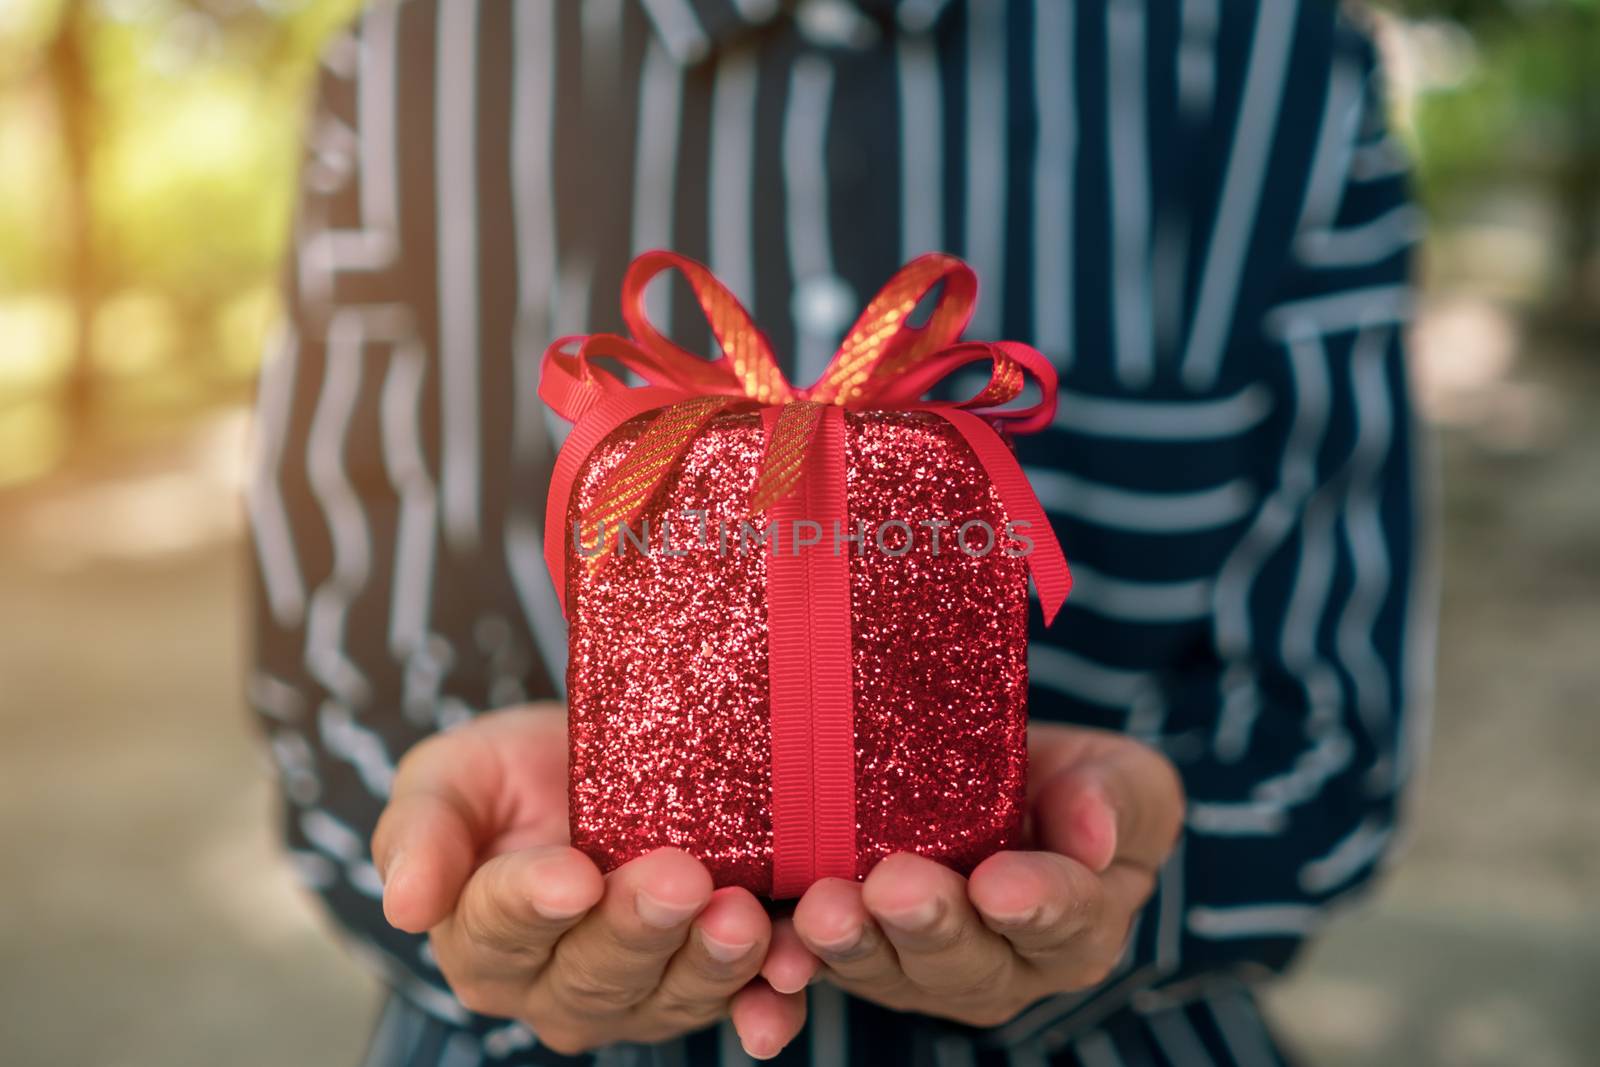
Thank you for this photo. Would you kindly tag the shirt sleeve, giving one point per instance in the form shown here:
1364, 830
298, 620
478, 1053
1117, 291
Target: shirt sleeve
1298, 737
370, 631
692, 29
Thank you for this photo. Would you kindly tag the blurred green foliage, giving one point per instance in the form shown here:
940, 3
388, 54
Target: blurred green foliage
1509, 102
192, 122
147, 153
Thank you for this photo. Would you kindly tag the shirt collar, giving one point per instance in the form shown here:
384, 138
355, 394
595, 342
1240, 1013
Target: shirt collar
691, 30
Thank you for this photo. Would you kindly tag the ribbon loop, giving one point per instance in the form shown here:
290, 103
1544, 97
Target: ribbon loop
883, 342
750, 364
1011, 365
885, 362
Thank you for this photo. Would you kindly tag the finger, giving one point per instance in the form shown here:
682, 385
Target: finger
427, 840
1073, 815
765, 1019
726, 945
789, 966
615, 957
1042, 903
834, 924
513, 911
942, 944
1123, 801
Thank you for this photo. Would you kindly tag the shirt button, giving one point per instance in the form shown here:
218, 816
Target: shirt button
835, 24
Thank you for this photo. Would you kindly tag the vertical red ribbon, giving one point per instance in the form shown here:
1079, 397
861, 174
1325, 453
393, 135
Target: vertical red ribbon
811, 672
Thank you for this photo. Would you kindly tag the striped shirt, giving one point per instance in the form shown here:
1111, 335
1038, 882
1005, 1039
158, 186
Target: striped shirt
1193, 207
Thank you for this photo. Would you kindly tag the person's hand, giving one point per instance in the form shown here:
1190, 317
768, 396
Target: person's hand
916, 936
473, 847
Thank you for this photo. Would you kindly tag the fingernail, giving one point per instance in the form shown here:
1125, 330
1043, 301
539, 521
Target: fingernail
725, 951
842, 947
556, 913
1026, 917
659, 913
389, 869
760, 1048
1097, 823
914, 919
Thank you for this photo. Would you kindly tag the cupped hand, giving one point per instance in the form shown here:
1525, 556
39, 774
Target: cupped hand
474, 850
916, 936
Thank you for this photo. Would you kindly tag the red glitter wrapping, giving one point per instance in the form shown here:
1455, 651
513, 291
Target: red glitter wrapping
667, 678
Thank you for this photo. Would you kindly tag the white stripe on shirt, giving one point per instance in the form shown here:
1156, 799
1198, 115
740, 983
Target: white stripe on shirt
1363, 525
1156, 420
456, 164
808, 228
731, 189
1077, 676
985, 211
1368, 243
1145, 512
401, 417
655, 180
675, 21
1236, 578
922, 173
1139, 601
1351, 309
1129, 186
1241, 192
347, 525
269, 518
1054, 177
534, 206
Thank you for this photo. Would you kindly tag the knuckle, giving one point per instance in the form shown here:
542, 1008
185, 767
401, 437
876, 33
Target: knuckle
678, 1015
583, 984
1080, 913
483, 925
417, 755
1108, 946
682, 1006
990, 974
950, 933
672, 1002
975, 978
1097, 965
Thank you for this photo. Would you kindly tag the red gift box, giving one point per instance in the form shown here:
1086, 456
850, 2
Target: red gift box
797, 618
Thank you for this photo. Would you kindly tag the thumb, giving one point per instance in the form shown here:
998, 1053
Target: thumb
439, 816
1074, 818
1121, 801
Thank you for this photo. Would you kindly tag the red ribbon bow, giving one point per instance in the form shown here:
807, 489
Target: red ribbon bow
884, 363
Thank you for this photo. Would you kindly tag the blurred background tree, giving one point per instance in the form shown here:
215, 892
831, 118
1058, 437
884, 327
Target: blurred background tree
147, 153
1510, 104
